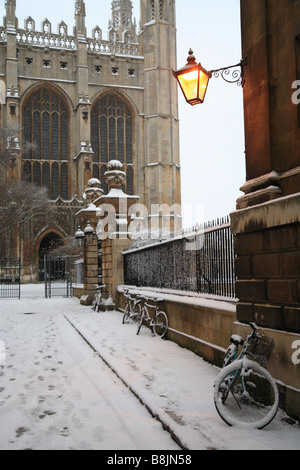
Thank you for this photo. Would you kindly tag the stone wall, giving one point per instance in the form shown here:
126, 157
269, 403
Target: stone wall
267, 241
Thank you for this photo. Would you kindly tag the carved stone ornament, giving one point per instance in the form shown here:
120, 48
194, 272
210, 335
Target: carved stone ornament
93, 191
115, 176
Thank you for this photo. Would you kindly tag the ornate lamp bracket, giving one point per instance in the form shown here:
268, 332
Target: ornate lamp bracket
232, 73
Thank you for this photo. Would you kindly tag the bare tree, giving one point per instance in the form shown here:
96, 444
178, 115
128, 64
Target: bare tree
66, 249
22, 202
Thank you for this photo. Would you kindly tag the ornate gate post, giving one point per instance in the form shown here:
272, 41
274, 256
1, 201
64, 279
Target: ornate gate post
114, 230
88, 218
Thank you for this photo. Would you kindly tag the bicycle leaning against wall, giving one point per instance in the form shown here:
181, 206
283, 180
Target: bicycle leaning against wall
133, 308
245, 392
96, 304
159, 323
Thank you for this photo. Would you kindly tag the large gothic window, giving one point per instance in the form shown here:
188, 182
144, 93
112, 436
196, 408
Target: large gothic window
112, 137
46, 126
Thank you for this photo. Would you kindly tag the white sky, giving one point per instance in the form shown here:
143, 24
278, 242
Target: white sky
211, 134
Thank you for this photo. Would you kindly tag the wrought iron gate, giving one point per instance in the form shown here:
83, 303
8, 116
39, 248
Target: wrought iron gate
58, 280
10, 278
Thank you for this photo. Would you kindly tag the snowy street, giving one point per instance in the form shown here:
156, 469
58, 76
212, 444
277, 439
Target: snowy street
79, 380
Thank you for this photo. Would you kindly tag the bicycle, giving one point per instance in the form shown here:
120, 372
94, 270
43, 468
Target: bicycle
133, 308
96, 305
159, 323
245, 392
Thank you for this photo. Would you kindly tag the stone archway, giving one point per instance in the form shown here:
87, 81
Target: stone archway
56, 267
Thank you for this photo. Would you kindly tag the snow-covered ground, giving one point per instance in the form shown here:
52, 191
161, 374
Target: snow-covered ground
63, 390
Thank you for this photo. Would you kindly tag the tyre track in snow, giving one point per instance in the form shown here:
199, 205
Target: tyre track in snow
152, 412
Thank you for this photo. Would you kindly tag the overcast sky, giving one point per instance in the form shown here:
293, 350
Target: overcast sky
211, 134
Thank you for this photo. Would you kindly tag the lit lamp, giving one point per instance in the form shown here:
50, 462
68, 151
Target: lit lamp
193, 79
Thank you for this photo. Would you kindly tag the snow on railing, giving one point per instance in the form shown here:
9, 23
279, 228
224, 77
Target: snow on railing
199, 259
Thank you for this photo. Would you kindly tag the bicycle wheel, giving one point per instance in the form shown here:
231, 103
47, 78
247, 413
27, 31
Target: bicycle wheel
245, 393
136, 315
140, 321
160, 325
126, 315
229, 356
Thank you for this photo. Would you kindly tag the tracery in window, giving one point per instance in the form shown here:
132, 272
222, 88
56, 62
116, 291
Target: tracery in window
112, 137
46, 126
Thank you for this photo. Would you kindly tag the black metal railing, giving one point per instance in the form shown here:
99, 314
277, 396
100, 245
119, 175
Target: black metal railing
58, 282
10, 278
199, 260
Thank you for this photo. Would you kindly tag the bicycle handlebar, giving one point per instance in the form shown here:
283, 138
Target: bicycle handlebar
255, 329
253, 326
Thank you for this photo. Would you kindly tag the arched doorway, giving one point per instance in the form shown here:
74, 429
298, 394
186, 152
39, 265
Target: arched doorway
55, 267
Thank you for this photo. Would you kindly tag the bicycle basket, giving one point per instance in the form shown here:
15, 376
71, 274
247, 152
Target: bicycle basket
260, 348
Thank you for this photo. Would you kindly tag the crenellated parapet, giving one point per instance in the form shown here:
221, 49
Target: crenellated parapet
122, 36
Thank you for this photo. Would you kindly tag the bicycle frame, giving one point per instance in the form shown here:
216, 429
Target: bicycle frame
136, 301
98, 296
244, 391
236, 357
148, 318
159, 323
131, 304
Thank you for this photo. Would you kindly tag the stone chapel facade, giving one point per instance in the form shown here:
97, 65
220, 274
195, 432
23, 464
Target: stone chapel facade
84, 101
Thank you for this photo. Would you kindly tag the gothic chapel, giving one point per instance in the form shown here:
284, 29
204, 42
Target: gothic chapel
84, 101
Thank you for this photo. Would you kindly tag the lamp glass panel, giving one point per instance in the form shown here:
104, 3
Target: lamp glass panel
203, 82
189, 84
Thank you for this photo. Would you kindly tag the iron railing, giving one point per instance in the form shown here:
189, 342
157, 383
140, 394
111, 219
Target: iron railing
58, 282
199, 260
10, 278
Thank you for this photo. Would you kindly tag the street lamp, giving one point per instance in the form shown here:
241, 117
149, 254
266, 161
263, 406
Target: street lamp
193, 79
89, 234
79, 237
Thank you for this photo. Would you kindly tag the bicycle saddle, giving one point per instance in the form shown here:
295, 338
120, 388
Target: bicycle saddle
237, 340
